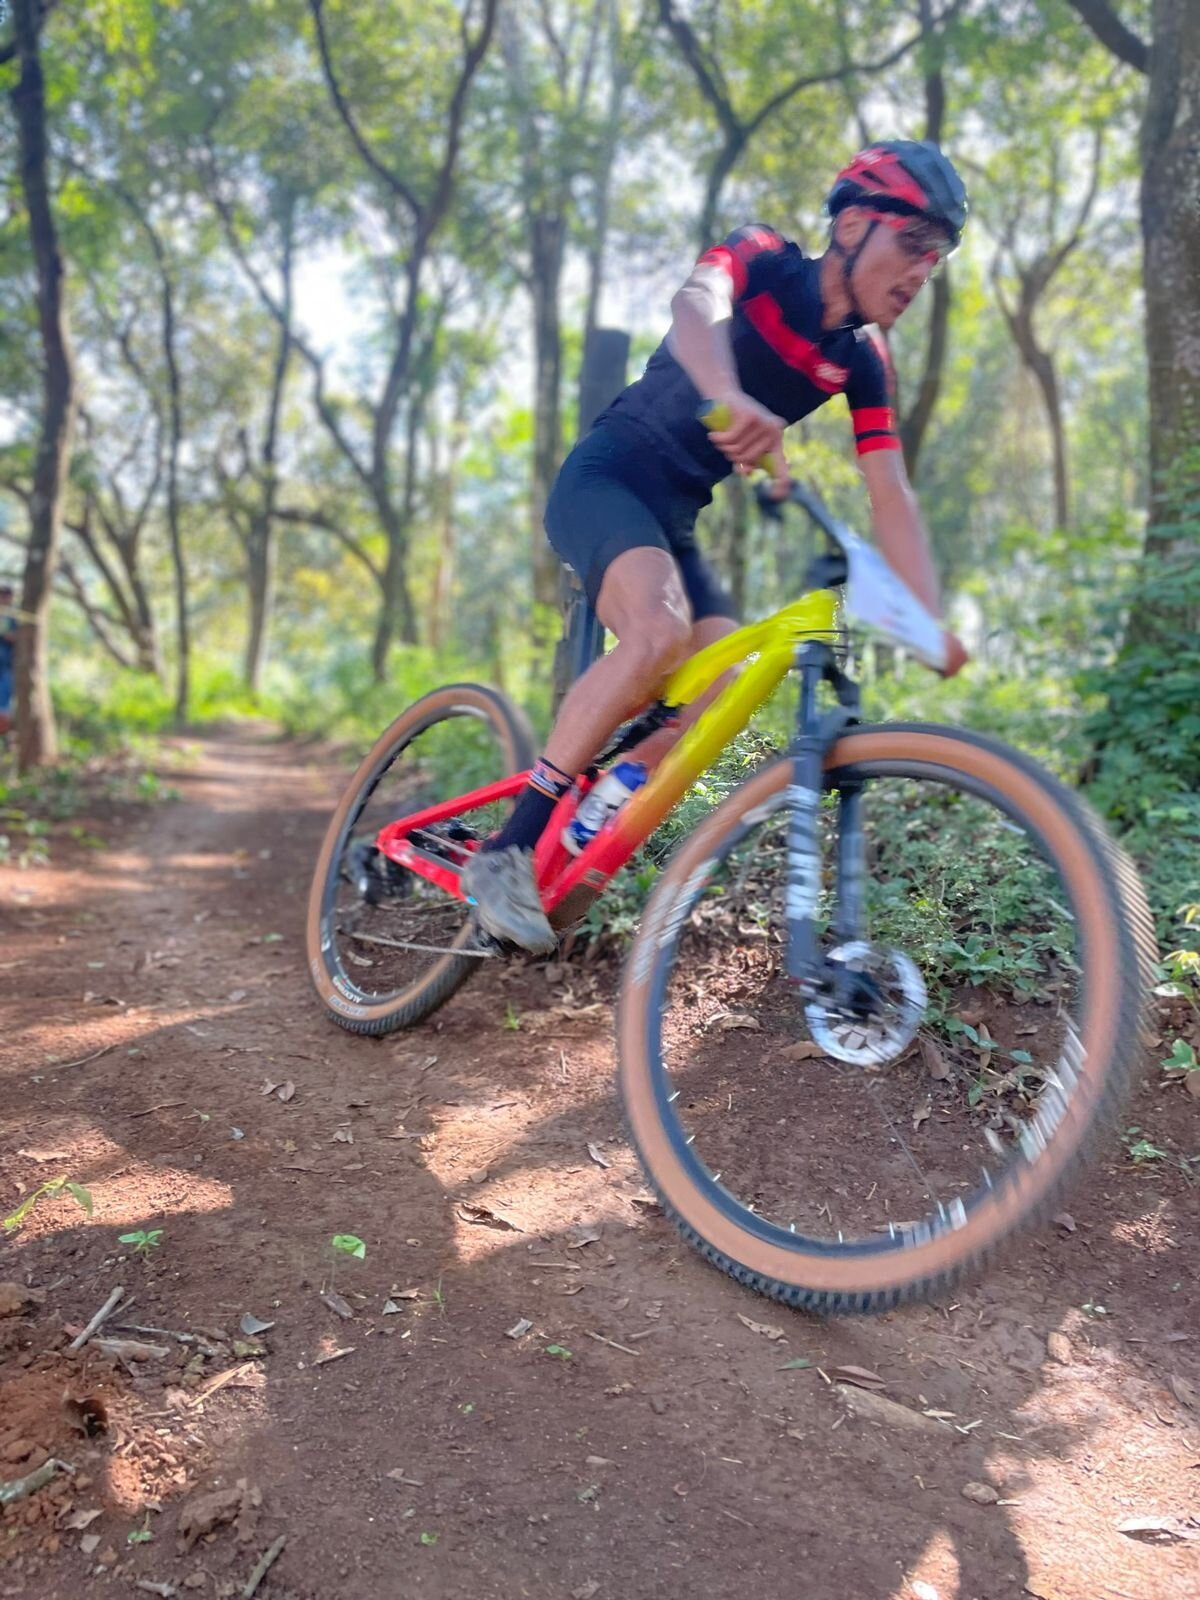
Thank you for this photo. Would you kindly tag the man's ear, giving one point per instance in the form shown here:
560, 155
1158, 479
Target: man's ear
849, 226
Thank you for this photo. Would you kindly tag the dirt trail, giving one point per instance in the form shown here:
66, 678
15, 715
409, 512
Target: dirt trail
440, 1457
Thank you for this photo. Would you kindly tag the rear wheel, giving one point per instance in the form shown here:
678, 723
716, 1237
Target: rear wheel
386, 947
864, 1169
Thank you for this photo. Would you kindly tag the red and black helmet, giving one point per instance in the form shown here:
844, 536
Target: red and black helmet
905, 175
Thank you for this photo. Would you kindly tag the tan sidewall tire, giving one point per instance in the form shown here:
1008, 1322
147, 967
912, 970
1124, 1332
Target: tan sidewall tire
451, 971
1109, 1027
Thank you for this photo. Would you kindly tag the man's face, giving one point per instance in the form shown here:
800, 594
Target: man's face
895, 263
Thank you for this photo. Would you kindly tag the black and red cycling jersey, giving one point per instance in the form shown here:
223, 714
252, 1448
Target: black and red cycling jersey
785, 360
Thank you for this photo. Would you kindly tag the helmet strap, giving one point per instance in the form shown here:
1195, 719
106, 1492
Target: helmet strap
856, 319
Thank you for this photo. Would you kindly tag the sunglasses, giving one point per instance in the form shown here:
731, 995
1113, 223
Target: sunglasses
918, 238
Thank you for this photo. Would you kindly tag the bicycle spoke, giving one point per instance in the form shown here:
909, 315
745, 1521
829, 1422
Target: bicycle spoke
783, 1131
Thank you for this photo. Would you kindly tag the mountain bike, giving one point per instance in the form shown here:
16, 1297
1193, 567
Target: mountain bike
964, 946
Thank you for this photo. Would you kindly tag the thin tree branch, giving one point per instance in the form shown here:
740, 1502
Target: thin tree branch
850, 69
475, 50
704, 68
278, 312
1112, 32
392, 179
317, 519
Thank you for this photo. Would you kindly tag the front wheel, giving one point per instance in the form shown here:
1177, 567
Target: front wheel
854, 1185
385, 947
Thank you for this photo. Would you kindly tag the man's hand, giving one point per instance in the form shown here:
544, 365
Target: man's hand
754, 436
956, 654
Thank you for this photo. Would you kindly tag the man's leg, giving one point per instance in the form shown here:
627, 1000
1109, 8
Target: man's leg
707, 631
642, 602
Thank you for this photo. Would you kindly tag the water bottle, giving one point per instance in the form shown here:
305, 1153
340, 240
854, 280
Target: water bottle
601, 802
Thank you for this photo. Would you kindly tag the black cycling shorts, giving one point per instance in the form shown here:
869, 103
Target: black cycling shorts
612, 495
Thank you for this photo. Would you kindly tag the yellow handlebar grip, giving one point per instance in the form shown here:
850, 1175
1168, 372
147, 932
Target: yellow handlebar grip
716, 417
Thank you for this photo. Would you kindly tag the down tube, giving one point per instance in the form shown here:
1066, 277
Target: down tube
697, 750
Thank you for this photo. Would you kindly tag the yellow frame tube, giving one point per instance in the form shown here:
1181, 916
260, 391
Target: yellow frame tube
773, 641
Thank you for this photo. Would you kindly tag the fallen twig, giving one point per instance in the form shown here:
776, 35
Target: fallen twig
265, 1563
101, 1317
613, 1342
178, 1334
219, 1382
334, 1355
133, 1349
166, 1105
83, 1060
19, 1488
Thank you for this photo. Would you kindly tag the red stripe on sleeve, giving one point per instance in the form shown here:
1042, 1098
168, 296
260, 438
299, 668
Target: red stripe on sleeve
721, 256
869, 419
876, 441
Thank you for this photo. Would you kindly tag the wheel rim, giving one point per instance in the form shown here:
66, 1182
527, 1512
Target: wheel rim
380, 948
730, 1183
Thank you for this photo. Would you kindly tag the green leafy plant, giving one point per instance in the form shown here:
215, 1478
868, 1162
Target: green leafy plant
1182, 1058
47, 1191
559, 1350
142, 1535
511, 1020
143, 1240
1141, 1150
349, 1244
429, 1538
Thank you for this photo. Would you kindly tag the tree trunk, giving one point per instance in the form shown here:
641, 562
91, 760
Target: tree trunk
546, 251
1041, 364
396, 613
260, 575
916, 420
262, 545
1170, 204
36, 735
915, 423
174, 443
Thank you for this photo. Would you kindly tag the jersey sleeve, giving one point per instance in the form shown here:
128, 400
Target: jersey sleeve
748, 257
871, 393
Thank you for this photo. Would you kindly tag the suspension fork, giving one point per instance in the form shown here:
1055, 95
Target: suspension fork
816, 731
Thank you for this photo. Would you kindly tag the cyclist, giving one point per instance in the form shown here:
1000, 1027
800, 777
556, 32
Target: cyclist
773, 335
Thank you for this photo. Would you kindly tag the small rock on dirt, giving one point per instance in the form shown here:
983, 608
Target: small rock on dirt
15, 1297
586, 1590
204, 1512
1058, 1348
871, 1407
981, 1493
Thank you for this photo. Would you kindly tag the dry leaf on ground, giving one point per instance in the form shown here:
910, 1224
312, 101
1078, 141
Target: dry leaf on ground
767, 1329
861, 1377
935, 1061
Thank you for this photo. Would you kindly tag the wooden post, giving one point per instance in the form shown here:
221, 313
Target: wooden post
601, 379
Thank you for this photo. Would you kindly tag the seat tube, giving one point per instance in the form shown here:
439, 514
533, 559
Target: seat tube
803, 803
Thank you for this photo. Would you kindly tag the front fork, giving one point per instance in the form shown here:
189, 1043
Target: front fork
816, 732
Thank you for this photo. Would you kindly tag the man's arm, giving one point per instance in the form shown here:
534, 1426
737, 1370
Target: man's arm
700, 341
900, 534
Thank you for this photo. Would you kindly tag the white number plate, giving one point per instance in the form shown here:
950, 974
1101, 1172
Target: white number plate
876, 596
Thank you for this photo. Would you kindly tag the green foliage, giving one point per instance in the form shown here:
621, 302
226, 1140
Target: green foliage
1142, 1151
1146, 731
47, 1191
349, 1244
143, 1240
